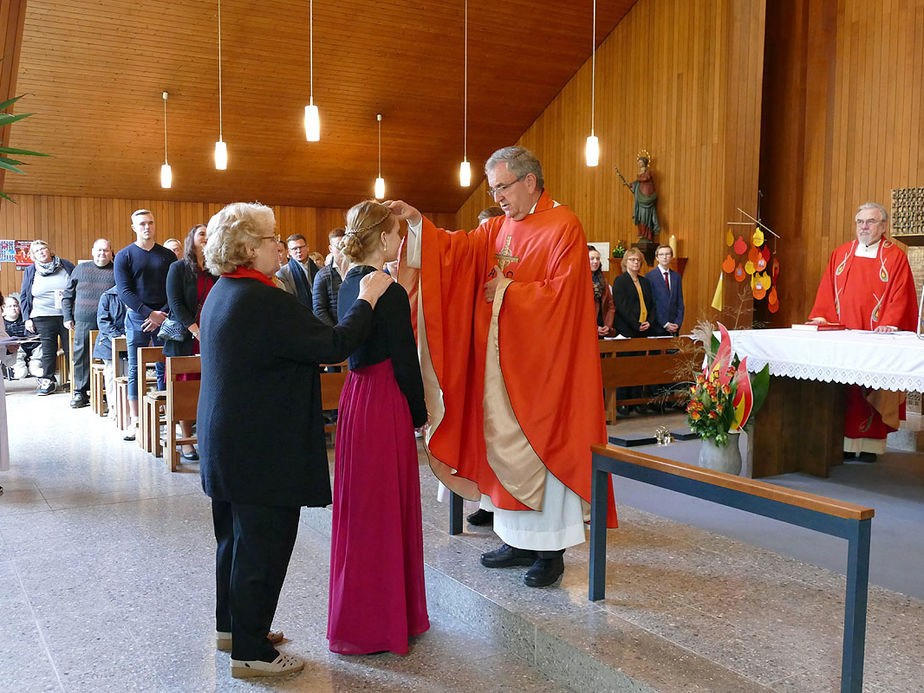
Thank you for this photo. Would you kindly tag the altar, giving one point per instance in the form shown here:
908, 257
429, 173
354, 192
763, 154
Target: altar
801, 425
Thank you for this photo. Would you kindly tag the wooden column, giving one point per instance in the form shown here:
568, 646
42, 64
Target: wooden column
12, 18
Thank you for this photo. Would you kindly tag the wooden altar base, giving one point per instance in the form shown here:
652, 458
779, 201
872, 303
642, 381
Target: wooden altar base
800, 428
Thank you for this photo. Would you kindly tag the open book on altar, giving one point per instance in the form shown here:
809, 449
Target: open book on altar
819, 327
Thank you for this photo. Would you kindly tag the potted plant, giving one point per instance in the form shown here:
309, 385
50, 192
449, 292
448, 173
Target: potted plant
723, 401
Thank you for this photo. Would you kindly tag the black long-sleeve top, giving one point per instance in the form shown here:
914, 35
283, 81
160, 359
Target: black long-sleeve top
183, 299
261, 385
392, 338
141, 276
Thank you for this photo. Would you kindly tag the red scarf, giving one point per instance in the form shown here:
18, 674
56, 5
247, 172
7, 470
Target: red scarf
247, 273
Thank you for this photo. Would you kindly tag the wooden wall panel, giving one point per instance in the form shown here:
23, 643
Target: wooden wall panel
681, 79
844, 77
71, 224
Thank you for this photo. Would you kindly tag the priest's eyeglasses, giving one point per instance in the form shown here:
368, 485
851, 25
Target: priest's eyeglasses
494, 192
868, 222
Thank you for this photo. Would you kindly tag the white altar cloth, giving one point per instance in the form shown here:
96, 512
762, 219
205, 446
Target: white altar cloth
886, 361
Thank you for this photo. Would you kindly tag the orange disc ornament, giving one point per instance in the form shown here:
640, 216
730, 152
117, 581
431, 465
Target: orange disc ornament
729, 265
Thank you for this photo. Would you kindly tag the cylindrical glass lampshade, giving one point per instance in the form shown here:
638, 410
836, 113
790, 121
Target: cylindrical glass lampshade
221, 155
592, 151
380, 188
312, 123
166, 176
465, 174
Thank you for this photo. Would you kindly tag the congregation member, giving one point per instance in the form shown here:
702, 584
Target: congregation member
141, 277
603, 295
376, 509
868, 285
503, 303
260, 384
667, 292
327, 281
43, 284
29, 355
110, 318
634, 315
175, 247
298, 274
188, 285
87, 283
488, 212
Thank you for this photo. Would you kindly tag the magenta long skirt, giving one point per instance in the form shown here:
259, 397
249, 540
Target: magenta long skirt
377, 594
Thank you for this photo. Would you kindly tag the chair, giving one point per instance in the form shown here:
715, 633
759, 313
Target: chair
97, 380
146, 356
152, 407
120, 353
331, 386
181, 403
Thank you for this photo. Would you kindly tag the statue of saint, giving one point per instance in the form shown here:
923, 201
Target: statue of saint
644, 214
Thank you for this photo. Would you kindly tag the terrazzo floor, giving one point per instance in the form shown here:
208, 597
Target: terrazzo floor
106, 563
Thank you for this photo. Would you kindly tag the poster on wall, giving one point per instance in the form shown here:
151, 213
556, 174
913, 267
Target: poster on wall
22, 255
7, 251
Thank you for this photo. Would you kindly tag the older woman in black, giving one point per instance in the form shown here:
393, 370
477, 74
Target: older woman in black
188, 285
260, 384
635, 310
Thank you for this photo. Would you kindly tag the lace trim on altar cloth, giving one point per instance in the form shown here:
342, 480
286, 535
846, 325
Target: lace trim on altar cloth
846, 376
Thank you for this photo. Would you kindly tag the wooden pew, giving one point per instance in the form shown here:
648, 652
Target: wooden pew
146, 356
97, 381
181, 404
650, 364
837, 518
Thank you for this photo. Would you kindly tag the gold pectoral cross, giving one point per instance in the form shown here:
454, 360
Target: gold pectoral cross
504, 257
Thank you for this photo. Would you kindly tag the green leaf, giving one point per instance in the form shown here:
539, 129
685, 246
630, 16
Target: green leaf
760, 384
9, 167
23, 152
7, 104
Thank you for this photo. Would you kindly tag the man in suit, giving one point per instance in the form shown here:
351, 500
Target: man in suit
667, 290
298, 275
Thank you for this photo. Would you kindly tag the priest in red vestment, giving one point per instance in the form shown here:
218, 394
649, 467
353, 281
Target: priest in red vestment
868, 286
511, 365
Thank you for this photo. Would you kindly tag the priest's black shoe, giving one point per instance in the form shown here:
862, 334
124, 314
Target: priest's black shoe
507, 557
480, 518
866, 456
545, 571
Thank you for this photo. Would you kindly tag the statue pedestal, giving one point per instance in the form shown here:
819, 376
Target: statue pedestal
648, 248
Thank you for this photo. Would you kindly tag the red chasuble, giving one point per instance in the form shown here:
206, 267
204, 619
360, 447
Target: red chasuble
863, 293
546, 343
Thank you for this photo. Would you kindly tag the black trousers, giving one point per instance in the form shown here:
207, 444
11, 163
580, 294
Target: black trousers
49, 328
81, 378
254, 544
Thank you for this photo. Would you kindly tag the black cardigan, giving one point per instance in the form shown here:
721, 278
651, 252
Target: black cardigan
628, 309
261, 434
183, 301
392, 338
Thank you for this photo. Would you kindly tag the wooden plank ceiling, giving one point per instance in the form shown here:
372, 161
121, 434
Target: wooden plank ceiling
94, 70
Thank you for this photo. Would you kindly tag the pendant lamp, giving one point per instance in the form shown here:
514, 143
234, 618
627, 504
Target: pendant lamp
221, 147
166, 174
592, 148
465, 169
379, 188
312, 116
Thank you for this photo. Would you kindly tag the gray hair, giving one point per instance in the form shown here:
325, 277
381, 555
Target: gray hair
37, 243
520, 162
234, 232
873, 205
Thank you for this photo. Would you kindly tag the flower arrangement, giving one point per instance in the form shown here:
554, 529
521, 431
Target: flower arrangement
619, 250
724, 396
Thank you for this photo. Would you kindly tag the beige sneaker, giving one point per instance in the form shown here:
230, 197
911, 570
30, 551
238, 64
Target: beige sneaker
283, 664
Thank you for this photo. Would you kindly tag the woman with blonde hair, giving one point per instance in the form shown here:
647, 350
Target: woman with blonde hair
260, 384
377, 596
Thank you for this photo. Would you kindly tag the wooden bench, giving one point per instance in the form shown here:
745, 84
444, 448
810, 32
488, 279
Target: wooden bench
97, 380
837, 518
146, 356
182, 400
653, 361
120, 349
331, 387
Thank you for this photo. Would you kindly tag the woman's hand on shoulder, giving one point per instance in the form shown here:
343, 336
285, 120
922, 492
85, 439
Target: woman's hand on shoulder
373, 285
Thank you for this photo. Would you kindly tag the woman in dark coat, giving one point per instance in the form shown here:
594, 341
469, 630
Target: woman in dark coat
260, 384
188, 285
376, 513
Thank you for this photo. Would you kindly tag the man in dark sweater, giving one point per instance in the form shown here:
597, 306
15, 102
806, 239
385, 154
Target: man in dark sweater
141, 277
79, 301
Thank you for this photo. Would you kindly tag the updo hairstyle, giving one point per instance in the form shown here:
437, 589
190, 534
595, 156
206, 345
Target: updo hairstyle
234, 233
365, 223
